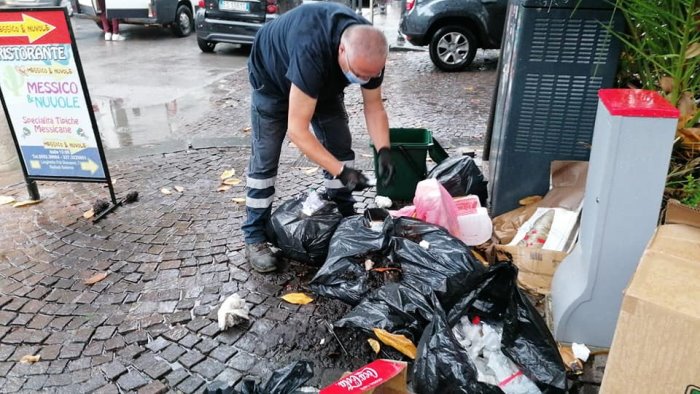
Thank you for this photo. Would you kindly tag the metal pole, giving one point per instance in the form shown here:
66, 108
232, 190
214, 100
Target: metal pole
33, 190
371, 11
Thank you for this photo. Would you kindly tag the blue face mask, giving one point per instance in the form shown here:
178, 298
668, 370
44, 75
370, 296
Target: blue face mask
352, 78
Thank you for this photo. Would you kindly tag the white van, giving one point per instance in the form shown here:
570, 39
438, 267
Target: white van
175, 14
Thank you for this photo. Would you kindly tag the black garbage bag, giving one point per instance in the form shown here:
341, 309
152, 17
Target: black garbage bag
447, 266
394, 307
302, 237
283, 381
526, 339
461, 176
442, 362
442, 366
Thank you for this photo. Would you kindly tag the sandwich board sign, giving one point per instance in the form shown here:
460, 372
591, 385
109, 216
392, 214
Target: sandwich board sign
46, 100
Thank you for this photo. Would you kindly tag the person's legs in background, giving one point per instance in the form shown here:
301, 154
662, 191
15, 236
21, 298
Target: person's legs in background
115, 31
106, 25
330, 124
269, 124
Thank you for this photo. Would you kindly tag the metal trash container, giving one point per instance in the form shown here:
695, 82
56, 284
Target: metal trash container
556, 55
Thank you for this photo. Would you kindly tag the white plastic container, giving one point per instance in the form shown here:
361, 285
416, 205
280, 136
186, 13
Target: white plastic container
474, 222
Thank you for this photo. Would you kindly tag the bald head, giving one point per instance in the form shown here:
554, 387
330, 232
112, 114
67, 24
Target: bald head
366, 42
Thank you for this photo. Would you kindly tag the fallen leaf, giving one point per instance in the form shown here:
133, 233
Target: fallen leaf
6, 200
570, 361
26, 203
369, 264
238, 200
180, 189
165, 190
398, 342
30, 359
88, 214
530, 200
223, 188
385, 269
297, 298
95, 278
374, 345
228, 174
232, 181
310, 170
693, 50
686, 104
479, 257
666, 84
247, 129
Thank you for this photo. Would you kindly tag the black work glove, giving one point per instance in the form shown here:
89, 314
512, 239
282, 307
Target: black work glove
353, 179
385, 166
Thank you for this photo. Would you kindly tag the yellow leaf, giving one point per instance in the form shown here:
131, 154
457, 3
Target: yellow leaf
89, 214
686, 104
180, 189
398, 342
95, 278
374, 345
530, 200
310, 170
165, 190
238, 200
247, 129
297, 298
6, 200
29, 359
693, 51
223, 188
25, 203
228, 174
232, 181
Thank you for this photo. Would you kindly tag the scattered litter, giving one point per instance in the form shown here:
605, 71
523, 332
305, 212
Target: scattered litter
166, 191
297, 298
233, 311
96, 278
232, 181
100, 206
374, 344
223, 188
311, 204
369, 264
89, 213
247, 129
228, 174
581, 351
26, 203
537, 235
6, 200
383, 202
323, 341
238, 200
131, 197
180, 189
424, 244
398, 342
572, 363
310, 170
30, 359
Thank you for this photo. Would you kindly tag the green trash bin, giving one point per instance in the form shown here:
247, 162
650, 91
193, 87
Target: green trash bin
409, 148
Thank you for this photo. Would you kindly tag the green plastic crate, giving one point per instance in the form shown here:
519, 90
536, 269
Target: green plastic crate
409, 148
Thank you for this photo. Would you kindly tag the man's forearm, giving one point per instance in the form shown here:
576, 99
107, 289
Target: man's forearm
378, 127
314, 150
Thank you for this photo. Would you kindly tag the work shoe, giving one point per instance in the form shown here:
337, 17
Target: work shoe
108, 36
260, 257
118, 37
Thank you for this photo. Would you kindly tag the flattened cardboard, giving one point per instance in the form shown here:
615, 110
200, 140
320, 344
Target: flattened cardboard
655, 348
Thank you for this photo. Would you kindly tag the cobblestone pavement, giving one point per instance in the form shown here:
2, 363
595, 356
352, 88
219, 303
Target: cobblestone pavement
150, 325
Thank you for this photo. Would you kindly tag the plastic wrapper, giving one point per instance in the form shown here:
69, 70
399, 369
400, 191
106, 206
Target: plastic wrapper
447, 267
396, 308
305, 236
461, 176
432, 204
287, 380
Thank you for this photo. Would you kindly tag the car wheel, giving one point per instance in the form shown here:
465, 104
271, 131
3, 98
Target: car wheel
184, 23
206, 46
453, 48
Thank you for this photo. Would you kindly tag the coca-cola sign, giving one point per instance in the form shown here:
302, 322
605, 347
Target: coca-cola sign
367, 378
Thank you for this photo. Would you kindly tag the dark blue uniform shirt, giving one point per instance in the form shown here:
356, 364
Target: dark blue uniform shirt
301, 47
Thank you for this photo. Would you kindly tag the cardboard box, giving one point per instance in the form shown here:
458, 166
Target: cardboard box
536, 267
656, 348
378, 377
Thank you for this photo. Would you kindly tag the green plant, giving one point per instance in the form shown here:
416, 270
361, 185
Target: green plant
692, 191
662, 52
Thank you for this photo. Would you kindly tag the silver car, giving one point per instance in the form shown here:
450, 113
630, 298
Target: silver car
68, 4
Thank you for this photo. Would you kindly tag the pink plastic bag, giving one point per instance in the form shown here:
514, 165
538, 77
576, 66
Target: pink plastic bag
433, 204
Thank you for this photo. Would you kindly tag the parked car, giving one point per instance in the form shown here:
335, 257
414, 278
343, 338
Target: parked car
453, 29
178, 15
67, 4
235, 22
